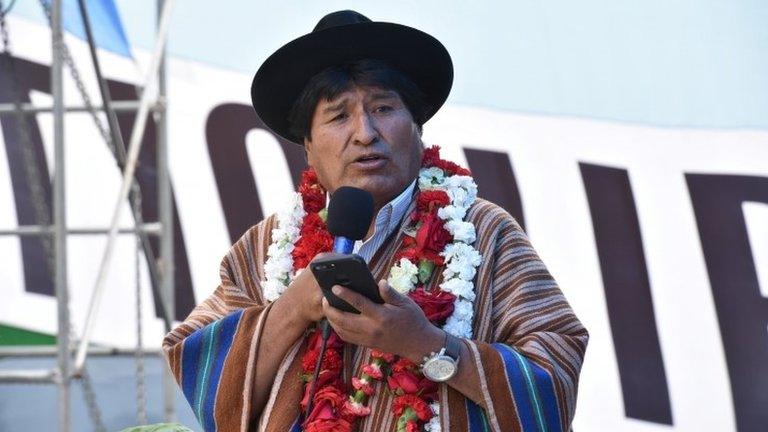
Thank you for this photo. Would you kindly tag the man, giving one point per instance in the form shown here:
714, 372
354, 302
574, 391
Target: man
480, 341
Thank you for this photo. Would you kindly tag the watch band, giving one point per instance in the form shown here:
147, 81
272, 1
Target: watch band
452, 346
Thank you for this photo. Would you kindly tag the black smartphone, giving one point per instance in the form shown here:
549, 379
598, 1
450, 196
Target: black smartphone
349, 271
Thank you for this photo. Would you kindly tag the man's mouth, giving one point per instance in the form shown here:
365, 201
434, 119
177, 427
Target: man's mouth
368, 158
371, 161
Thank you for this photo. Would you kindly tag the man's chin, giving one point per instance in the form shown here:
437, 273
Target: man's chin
382, 189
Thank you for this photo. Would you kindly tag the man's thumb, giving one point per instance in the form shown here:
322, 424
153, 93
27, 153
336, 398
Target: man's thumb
389, 295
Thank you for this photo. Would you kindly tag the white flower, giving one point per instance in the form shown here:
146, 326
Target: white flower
429, 178
458, 327
462, 260
280, 248
463, 310
434, 422
463, 269
462, 190
293, 211
451, 212
462, 252
461, 231
278, 266
403, 276
272, 289
459, 288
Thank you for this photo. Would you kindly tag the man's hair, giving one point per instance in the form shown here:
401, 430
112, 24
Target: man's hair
335, 80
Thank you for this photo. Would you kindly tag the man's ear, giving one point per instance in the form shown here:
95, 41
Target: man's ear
308, 151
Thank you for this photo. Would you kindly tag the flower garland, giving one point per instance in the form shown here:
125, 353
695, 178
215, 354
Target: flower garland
436, 236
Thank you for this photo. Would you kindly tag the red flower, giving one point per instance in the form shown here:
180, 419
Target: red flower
314, 239
411, 426
405, 381
325, 379
312, 194
432, 237
387, 357
328, 401
328, 425
429, 201
431, 158
437, 305
331, 361
431, 155
412, 254
428, 389
451, 168
403, 364
422, 410
315, 340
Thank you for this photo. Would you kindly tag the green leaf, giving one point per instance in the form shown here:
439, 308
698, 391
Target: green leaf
408, 414
323, 214
425, 270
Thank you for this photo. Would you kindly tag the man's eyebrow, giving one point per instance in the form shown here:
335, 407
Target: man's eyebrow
383, 95
335, 107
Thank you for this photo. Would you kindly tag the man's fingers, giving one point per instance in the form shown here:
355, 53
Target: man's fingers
357, 301
341, 321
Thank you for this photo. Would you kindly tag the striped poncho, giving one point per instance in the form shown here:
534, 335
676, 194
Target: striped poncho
528, 345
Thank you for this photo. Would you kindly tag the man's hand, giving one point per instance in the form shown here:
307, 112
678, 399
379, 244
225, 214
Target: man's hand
398, 326
305, 294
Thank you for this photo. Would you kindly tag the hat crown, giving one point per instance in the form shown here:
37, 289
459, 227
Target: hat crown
340, 18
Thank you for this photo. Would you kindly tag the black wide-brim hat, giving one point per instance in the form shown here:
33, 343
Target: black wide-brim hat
345, 36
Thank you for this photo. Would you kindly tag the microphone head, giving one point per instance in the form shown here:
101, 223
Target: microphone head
350, 212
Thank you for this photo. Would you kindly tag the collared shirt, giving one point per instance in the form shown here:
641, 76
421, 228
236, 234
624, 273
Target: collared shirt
387, 220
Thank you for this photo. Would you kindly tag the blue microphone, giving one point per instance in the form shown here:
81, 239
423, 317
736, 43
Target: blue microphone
350, 212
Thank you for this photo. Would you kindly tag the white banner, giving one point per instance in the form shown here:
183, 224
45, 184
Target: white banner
654, 234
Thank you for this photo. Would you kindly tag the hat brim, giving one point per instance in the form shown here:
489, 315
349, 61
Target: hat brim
283, 76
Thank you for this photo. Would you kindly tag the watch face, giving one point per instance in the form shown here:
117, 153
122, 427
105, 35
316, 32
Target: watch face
440, 368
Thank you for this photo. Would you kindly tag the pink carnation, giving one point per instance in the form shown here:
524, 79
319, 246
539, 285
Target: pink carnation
373, 370
355, 409
363, 385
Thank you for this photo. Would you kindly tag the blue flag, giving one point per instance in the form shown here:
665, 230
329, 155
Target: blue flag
105, 22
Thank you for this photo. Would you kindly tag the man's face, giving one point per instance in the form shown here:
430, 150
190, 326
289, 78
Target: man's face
365, 138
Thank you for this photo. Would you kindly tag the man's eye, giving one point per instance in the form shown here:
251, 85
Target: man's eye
383, 109
339, 116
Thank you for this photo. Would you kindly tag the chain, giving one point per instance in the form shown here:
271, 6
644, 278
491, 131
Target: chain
135, 190
34, 178
141, 402
75, 73
43, 215
90, 401
32, 173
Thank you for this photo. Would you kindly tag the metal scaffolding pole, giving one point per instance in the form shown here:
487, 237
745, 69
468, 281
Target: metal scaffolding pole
69, 368
151, 228
165, 210
28, 108
59, 219
132, 158
50, 351
118, 149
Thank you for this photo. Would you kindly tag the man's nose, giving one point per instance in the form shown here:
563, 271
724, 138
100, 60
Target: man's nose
365, 132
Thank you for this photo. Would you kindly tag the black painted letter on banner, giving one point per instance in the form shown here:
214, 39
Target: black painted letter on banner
33, 202
225, 131
30, 178
496, 180
627, 293
742, 311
